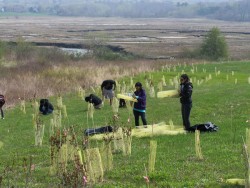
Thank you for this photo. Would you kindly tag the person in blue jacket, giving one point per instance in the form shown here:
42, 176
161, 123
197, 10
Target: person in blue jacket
140, 106
186, 90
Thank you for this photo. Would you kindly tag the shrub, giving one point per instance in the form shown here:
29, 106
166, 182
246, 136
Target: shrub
23, 50
214, 46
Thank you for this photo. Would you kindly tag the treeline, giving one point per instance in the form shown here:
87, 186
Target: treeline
230, 11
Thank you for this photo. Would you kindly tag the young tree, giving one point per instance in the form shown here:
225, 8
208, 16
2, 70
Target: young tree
214, 45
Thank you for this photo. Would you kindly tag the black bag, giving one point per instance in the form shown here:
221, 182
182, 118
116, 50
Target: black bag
100, 130
205, 127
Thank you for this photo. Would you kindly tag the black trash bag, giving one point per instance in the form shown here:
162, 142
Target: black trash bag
100, 130
205, 127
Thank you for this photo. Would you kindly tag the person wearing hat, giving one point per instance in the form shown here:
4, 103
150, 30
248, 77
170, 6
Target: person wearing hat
96, 101
140, 106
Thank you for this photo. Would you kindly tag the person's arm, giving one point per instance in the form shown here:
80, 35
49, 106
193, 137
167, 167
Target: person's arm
141, 96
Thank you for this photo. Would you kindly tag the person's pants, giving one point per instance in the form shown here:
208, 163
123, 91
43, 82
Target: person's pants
2, 114
46, 112
143, 117
185, 111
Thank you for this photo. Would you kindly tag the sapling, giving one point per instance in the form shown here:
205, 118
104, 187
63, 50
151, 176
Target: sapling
38, 125
119, 141
152, 91
171, 82
115, 105
163, 81
160, 86
131, 82
246, 147
59, 102
147, 85
118, 87
92, 89
22, 106
198, 145
64, 110
152, 156
171, 124
106, 154
94, 163
81, 92
146, 178
127, 137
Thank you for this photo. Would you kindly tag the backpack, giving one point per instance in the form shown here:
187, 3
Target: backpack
2, 101
204, 127
100, 130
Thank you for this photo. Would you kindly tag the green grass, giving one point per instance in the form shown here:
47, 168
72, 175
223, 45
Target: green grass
219, 100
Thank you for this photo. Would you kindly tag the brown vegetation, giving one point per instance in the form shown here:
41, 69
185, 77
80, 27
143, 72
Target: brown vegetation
45, 73
27, 82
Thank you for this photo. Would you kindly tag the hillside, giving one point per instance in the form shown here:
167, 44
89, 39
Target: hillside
221, 95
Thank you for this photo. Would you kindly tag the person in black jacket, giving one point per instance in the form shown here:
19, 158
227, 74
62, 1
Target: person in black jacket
2, 102
96, 101
108, 87
185, 93
45, 107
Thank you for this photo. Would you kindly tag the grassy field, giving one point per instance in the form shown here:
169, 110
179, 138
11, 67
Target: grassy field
223, 100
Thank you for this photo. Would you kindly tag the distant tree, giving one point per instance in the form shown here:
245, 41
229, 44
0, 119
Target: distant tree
214, 45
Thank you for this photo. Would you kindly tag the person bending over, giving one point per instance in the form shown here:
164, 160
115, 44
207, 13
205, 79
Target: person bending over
45, 107
108, 87
96, 101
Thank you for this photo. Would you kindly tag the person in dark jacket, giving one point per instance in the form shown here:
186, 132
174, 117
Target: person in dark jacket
185, 92
2, 102
45, 107
140, 106
96, 101
108, 87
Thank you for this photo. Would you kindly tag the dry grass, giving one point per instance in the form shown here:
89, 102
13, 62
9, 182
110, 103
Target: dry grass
26, 83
